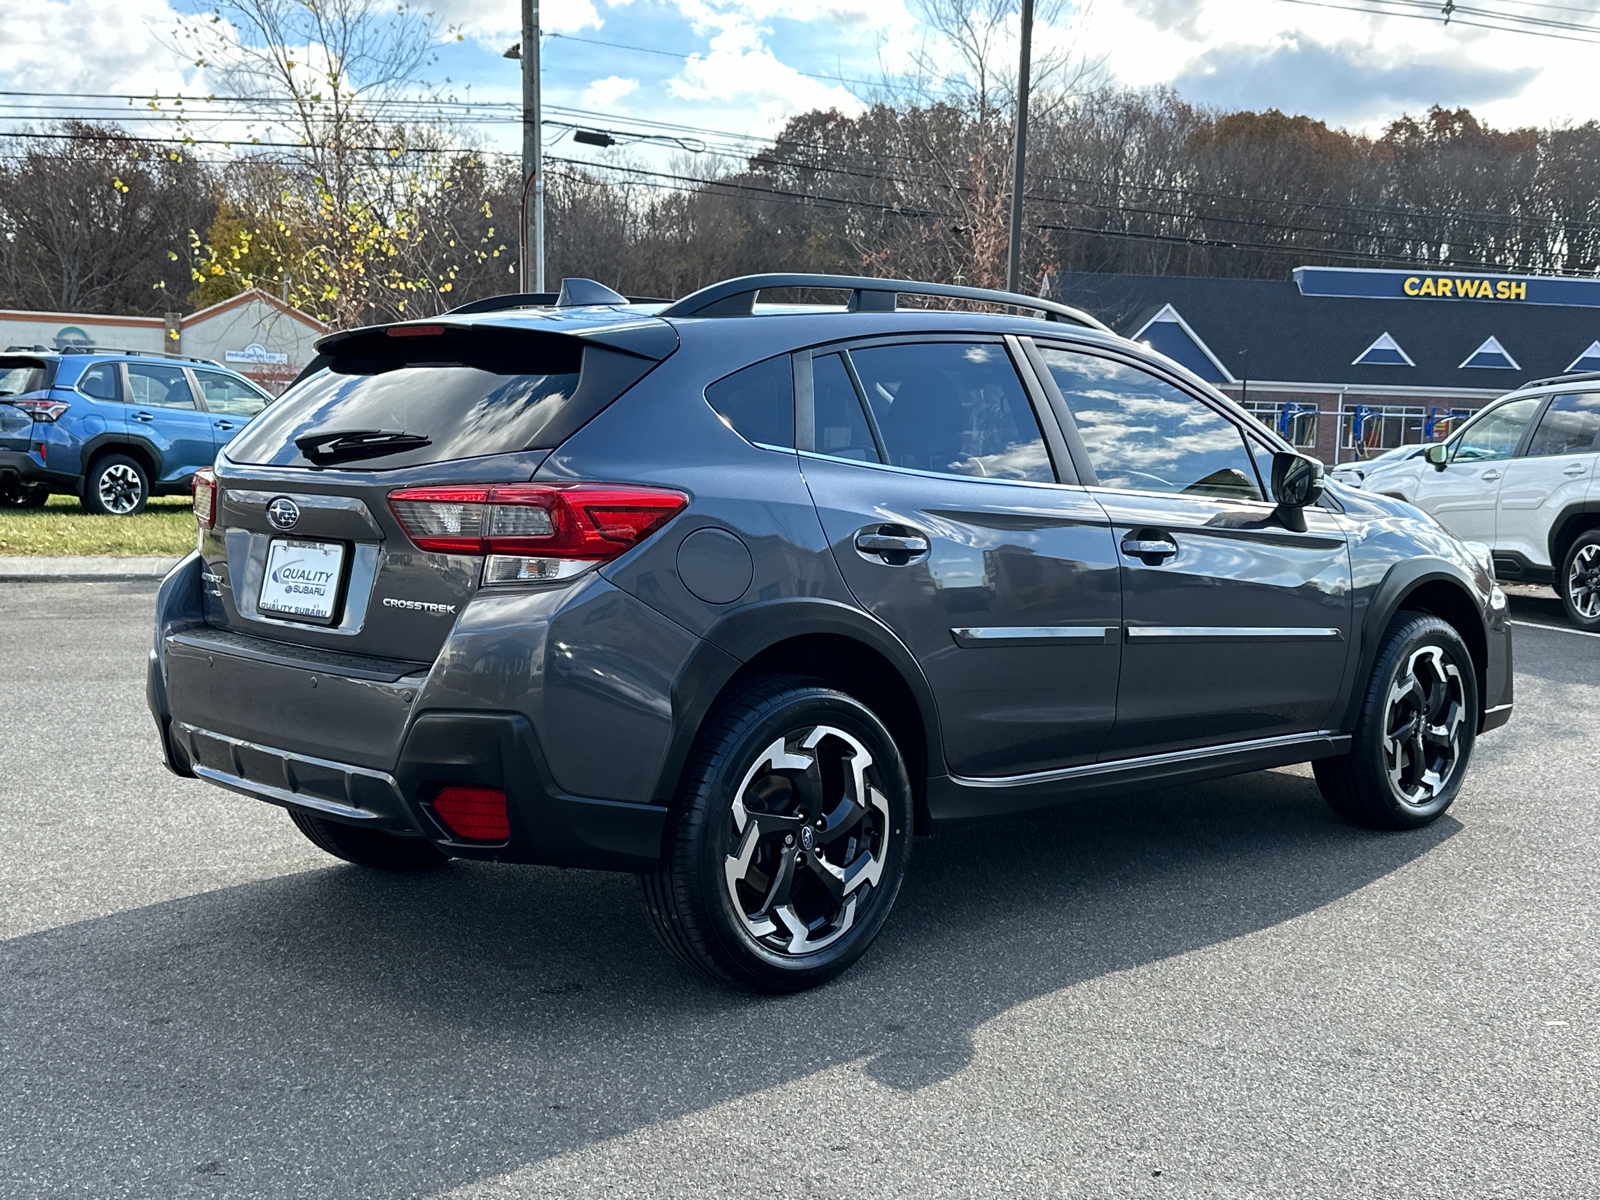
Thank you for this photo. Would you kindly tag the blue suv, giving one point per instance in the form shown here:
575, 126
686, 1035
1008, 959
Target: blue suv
113, 427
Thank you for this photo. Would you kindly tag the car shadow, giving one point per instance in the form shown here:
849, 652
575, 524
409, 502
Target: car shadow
347, 1033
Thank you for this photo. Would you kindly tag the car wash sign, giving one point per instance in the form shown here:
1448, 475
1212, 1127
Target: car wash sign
1422, 286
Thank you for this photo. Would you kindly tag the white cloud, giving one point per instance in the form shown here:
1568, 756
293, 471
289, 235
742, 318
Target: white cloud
742, 70
603, 93
498, 23
94, 45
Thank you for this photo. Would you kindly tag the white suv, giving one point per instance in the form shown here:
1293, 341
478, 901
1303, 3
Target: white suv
1520, 476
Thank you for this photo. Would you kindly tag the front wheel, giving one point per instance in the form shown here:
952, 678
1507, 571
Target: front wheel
1579, 581
1415, 734
788, 841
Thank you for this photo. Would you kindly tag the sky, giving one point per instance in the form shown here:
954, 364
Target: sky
743, 66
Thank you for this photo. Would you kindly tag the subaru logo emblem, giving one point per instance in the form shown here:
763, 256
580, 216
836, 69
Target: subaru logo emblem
807, 838
283, 513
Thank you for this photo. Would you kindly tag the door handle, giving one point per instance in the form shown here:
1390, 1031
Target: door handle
1152, 549
1574, 469
894, 544
144, 416
1490, 475
225, 425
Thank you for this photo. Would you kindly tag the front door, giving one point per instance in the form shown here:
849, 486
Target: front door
230, 402
1236, 625
1465, 493
1554, 470
939, 496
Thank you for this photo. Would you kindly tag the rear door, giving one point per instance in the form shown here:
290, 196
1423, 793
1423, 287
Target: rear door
161, 406
1465, 494
1555, 469
230, 402
1236, 626
939, 492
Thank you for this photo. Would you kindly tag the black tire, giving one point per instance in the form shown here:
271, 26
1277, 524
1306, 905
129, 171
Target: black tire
1424, 689
116, 486
25, 495
1579, 581
730, 921
368, 847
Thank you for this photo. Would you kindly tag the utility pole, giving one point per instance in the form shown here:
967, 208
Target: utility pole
532, 233
1019, 166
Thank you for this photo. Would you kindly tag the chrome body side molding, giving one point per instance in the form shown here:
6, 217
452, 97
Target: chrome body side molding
1022, 635
1145, 634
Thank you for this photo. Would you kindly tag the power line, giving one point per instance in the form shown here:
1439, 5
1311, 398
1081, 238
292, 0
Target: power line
1424, 10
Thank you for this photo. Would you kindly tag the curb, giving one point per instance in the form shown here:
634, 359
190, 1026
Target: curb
82, 569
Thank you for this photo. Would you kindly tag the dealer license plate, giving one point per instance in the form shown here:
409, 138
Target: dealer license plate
302, 579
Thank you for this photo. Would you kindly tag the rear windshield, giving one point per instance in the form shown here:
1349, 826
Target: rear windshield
21, 375
468, 405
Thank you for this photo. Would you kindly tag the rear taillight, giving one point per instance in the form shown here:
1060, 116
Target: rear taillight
474, 814
532, 533
42, 410
204, 488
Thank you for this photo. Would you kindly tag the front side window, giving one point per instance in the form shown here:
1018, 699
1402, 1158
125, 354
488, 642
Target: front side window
1569, 426
957, 408
229, 396
1495, 434
758, 402
99, 382
162, 387
1145, 435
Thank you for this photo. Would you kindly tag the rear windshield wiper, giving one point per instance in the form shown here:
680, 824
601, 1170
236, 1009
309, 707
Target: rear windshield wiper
348, 445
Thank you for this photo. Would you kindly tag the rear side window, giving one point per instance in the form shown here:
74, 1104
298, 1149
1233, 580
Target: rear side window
758, 402
162, 387
1569, 426
841, 425
957, 408
99, 382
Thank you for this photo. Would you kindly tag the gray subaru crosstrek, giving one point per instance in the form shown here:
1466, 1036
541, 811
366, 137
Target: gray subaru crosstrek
740, 597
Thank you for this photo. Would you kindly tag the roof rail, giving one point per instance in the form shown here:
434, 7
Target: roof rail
210, 362
1570, 377
737, 297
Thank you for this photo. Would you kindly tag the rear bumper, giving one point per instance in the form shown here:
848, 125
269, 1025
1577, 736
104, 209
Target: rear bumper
23, 466
496, 750
372, 741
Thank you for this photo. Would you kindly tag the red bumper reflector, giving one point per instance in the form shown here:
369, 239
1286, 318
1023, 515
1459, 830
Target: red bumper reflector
474, 814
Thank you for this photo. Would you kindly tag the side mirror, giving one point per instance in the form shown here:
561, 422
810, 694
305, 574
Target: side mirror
1438, 454
1296, 479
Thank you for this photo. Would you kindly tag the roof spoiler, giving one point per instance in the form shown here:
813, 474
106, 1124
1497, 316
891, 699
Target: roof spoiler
737, 297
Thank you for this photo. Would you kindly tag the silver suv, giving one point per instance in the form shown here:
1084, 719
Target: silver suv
1520, 477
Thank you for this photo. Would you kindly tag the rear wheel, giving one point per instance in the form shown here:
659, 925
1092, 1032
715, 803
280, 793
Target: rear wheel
1415, 734
367, 847
116, 486
1579, 581
788, 842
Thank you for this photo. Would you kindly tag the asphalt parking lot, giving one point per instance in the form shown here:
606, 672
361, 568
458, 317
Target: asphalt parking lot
1218, 991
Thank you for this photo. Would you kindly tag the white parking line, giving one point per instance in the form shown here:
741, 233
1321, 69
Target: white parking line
1556, 629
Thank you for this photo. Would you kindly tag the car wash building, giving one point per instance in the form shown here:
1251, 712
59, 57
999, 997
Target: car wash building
1348, 362
253, 333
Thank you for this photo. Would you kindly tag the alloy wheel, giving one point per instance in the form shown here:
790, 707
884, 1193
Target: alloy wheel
1583, 582
120, 489
810, 835
1423, 722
